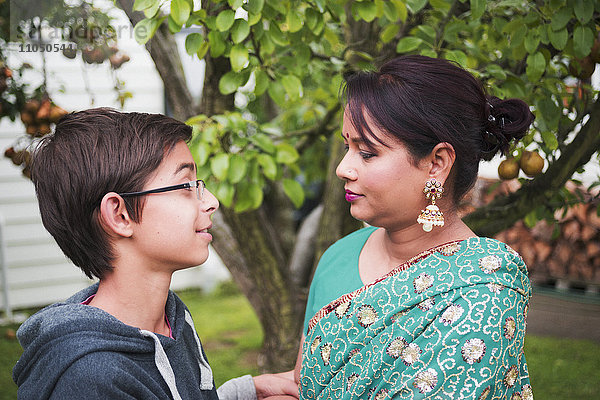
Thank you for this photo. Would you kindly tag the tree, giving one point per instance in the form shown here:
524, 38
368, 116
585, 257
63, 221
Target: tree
266, 126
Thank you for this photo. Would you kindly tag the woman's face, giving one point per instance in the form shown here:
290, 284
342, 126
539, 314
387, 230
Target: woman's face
383, 185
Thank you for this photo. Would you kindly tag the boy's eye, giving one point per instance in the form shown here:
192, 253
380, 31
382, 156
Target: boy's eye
366, 155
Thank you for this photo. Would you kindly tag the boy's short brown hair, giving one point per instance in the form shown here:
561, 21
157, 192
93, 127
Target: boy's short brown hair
91, 153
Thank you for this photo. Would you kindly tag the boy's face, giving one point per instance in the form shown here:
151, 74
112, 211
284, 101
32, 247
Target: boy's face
172, 233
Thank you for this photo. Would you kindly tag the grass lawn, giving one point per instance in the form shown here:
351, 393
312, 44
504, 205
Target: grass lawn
231, 335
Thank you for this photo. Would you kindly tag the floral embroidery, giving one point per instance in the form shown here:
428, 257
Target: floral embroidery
341, 309
510, 326
449, 249
473, 350
452, 314
353, 352
326, 353
510, 377
366, 315
490, 264
351, 379
495, 287
516, 396
315, 344
381, 395
426, 304
527, 393
513, 252
411, 353
395, 347
484, 394
398, 315
422, 282
426, 380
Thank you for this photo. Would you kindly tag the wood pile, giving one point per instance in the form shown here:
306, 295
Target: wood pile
569, 257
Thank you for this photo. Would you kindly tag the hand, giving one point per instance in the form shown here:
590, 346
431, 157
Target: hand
268, 385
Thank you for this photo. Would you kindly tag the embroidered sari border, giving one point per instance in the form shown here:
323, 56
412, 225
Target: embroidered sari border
402, 267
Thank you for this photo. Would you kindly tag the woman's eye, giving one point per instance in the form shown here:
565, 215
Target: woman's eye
365, 155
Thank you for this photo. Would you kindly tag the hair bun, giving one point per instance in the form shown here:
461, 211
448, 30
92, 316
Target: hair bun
506, 120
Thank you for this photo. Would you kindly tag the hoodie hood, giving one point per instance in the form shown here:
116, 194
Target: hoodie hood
57, 336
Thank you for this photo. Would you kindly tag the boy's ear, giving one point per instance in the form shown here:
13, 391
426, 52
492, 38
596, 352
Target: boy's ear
442, 159
114, 217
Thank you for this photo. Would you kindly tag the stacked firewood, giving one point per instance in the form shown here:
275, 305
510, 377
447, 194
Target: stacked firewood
567, 253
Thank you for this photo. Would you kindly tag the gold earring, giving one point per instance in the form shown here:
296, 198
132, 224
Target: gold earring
432, 215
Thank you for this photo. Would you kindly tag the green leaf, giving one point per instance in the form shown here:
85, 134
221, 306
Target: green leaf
294, 191
237, 168
180, 11
294, 20
584, 10
146, 28
217, 44
407, 44
530, 219
414, 6
238, 57
264, 142
312, 18
235, 4
203, 50
193, 41
229, 82
559, 38
202, 152
550, 140
240, 30
477, 9
174, 27
277, 92
401, 8
389, 33
536, 65
457, 56
532, 40
262, 82
561, 18
286, 154
141, 5
249, 196
496, 71
277, 36
152, 11
390, 11
225, 20
255, 6
366, 10
219, 165
583, 39
292, 86
268, 165
225, 192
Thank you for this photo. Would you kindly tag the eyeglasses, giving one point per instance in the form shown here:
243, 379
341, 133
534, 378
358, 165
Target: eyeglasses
198, 184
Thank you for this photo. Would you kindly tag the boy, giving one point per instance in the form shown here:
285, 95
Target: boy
119, 193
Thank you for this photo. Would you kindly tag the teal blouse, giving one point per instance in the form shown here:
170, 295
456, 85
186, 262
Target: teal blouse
340, 260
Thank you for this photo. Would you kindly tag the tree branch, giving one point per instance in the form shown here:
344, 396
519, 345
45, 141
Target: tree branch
163, 50
504, 211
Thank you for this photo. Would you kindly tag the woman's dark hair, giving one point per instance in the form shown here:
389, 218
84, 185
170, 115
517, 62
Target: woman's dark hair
424, 101
91, 153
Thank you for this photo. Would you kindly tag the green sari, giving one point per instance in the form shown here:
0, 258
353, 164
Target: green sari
447, 324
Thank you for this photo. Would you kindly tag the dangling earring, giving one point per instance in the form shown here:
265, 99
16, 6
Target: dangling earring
432, 215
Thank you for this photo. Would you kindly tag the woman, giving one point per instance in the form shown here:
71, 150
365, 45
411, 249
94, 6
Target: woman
425, 309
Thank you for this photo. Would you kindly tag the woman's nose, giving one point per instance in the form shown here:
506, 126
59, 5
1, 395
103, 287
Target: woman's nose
344, 170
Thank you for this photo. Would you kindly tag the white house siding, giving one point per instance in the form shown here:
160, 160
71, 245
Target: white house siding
38, 272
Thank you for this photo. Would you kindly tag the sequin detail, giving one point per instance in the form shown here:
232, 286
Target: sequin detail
394, 349
490, 264
452, 314
422, 283
326, 353
510, 327
366, 315
426, 380
473, 350
410, 354
511, 375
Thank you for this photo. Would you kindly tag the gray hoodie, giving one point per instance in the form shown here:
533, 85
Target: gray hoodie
73, 350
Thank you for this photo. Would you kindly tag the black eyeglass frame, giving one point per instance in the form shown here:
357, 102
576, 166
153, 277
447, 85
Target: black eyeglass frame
198, 184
